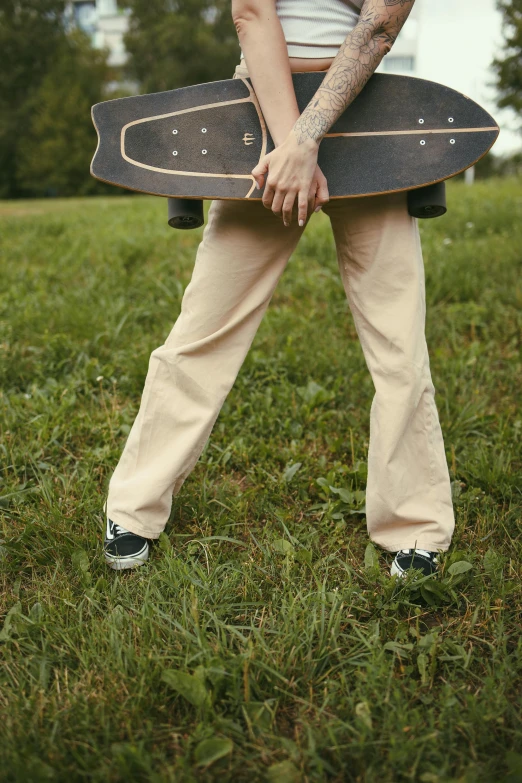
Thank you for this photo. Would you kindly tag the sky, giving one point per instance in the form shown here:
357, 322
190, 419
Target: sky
454, 43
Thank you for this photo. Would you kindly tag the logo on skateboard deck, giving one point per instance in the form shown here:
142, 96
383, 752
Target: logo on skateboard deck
248, 139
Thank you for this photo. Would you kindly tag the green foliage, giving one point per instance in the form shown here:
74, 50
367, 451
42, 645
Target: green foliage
190, 686
210, 750
493, 165
264, 639
509, 68
30, 31
283, 772
175, 43
55, 154
49, 80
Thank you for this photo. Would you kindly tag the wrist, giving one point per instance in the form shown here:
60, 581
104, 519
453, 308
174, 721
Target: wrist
308, 142
283, 134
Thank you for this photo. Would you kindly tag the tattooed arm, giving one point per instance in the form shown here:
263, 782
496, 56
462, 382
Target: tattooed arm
289, 169
379, 25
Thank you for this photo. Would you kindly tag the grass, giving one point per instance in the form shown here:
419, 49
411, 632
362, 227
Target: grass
264, 639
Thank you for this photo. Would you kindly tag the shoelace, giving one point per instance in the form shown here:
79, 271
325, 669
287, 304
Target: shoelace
118, 529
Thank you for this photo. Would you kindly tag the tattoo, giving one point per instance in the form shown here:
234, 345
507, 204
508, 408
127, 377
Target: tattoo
356, 60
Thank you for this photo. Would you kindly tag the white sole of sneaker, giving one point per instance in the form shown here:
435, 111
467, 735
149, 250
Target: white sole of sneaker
396, 571
131, 561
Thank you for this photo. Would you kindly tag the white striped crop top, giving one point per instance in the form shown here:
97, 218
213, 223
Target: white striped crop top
316, 28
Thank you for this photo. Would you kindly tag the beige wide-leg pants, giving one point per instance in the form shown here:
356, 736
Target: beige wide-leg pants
243, 252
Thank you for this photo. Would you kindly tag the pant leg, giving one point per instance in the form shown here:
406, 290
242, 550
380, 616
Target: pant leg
408, 495
243, 252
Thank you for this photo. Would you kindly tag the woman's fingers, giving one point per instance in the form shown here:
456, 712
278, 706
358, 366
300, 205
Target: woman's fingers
317, 196
277, 205
322, 195
304, 205
268, 195
282, 204
311, 196
281, 200
288, 207
302, 212
260, 170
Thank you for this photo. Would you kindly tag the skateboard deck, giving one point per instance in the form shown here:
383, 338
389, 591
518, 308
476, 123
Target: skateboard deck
203, 141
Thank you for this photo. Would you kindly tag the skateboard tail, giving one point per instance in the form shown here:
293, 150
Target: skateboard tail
99, 141
97, 168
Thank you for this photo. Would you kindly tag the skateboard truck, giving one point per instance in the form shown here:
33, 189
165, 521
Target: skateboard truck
426, 202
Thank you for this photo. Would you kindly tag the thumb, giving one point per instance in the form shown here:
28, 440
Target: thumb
260, 170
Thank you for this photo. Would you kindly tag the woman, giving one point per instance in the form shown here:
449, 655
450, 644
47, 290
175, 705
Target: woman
244, 250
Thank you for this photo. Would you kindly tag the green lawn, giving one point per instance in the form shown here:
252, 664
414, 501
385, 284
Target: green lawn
264, 640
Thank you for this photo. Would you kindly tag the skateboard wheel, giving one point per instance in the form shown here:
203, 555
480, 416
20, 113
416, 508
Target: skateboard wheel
185, 212
428, 202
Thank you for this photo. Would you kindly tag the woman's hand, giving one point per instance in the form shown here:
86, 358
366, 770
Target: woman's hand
292, 171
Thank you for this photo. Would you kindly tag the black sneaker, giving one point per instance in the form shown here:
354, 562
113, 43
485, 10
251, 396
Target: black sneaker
124, 549
408, 559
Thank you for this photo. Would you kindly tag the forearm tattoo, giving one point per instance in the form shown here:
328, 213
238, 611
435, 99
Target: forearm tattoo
355, 62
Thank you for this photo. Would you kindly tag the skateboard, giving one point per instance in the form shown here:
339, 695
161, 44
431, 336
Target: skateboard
401, 133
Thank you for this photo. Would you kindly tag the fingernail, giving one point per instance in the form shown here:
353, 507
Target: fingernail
301, 222
317, 209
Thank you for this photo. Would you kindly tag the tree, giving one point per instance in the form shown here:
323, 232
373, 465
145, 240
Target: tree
30, 31
509, 69
55, 154
174, 44
49, 79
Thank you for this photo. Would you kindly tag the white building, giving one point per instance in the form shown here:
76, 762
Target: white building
454, 42
106, 22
